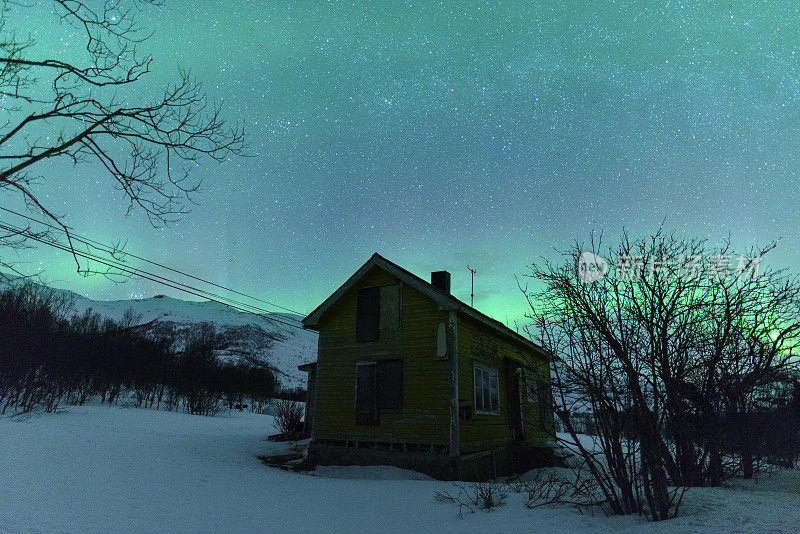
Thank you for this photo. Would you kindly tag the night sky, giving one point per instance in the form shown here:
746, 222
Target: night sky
447, 134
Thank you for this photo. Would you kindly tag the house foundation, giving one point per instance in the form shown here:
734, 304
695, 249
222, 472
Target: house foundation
432, 460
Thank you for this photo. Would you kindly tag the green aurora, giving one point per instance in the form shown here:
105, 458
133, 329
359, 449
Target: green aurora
446, 134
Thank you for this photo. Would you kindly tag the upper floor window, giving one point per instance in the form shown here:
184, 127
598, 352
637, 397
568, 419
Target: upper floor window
378, 308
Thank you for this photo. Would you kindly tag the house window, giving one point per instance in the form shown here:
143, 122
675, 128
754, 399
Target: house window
545, 398
378, 308
487, 393
531, 389
390, 307
539, 393
379, 389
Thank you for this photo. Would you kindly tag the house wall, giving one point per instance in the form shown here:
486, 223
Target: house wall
424, 418
478, 342
311, 385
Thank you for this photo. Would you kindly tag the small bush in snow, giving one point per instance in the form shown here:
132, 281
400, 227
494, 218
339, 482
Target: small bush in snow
475, 496
288, 416
551, 487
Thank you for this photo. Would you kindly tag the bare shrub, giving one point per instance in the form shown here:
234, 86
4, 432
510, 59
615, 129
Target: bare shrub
475, 496
548, 487
288, 416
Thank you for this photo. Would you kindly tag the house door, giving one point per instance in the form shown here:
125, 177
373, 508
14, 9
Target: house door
514, 402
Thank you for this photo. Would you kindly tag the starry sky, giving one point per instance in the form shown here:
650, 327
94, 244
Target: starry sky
450, 134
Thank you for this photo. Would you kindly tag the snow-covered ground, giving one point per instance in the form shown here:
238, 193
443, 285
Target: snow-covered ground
111, 469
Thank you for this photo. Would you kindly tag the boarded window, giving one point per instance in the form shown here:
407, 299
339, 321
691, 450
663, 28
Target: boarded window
390, 307
379, 388
366, 400
368, 314
390, 385
487, 393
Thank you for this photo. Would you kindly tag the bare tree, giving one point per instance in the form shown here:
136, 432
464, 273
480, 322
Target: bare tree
82, 109
664, 352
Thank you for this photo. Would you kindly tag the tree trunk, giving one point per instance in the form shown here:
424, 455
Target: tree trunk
715, 471
747, 464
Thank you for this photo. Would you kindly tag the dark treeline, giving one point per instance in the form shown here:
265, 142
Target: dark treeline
50, 357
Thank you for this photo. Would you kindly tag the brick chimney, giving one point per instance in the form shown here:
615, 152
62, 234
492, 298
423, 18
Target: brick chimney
441, 281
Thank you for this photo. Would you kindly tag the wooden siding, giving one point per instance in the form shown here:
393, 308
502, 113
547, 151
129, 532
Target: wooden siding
424, 417
479, 343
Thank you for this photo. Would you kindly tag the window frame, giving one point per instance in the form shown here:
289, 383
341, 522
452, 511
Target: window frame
485, 368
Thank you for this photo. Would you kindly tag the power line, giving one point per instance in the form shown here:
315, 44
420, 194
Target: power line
109, 250
150, 276
154, 278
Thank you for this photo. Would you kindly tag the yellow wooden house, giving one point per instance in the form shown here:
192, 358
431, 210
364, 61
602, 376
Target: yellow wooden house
409, 375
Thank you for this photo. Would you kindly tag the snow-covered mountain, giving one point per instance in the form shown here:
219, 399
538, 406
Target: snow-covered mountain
250, 337
262, 338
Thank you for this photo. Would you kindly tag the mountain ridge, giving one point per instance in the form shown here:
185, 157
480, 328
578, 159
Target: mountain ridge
253, 338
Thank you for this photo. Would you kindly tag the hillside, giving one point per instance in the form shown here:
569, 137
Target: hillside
251, 337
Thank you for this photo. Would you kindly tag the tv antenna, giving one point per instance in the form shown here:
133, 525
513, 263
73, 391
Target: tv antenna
472, 286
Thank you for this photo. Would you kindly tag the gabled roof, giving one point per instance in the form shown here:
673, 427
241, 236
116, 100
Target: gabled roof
445, 301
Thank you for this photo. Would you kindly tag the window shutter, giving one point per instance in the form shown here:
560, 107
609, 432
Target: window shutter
390, 307
366, 401
441, 341
368, 314
390, 385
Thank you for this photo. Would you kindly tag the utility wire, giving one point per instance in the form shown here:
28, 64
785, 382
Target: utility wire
146, 275
149, 276
109, 250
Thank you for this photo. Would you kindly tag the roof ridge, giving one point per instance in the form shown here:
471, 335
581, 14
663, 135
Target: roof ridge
440, 296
